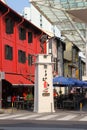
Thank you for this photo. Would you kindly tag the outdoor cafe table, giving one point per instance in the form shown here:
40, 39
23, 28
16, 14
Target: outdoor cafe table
23, 104
28, 104
70, 104
19, 104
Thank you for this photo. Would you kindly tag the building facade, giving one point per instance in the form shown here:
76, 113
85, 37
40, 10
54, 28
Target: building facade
71, 64
20, 41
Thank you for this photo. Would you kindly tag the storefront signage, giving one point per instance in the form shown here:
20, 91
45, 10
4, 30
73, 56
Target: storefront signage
45, 86
45, 94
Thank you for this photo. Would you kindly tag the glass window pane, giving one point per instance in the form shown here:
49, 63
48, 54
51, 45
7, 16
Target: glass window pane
80, 4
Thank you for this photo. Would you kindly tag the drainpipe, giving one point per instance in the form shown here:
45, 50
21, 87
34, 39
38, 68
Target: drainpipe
21, 22
6, 13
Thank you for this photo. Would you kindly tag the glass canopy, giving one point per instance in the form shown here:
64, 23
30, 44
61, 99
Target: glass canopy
58, 13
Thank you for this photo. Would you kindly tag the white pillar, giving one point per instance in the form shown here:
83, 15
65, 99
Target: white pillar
43, 94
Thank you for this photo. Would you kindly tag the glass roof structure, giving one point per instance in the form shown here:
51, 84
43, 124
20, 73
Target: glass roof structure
60, 13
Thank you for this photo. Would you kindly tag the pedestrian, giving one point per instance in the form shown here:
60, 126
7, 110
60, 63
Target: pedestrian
29, 99
29, 96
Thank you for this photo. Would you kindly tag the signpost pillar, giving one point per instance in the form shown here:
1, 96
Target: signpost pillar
43, 92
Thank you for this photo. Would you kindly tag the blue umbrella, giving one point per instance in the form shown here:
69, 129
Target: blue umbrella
77, 83
85, 84
62, 81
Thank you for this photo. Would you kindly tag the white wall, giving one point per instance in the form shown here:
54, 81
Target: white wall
27, 13
33, 15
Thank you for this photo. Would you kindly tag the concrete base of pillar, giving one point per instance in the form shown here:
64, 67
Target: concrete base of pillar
39, 111
1, 111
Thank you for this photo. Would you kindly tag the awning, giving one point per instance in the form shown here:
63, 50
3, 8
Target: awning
18, 80
7, 83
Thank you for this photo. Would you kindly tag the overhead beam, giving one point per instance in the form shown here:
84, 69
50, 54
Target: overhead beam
49, 5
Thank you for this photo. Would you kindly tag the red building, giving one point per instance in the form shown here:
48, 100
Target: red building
20, 41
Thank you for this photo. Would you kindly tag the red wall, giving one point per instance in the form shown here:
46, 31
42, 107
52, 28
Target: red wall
13, 66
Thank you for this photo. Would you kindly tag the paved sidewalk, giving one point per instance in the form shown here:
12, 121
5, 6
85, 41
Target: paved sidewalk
14, 110
59, 115
1, 111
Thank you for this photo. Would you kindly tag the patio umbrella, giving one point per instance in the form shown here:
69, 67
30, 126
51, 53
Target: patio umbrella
77, 83
62, 81
85, 84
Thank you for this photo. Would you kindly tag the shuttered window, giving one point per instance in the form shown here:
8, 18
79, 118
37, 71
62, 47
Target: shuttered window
30, 37
21, 56
22, 33
9, 25
8, 52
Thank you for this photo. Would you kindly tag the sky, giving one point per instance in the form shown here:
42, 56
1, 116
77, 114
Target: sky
18, 5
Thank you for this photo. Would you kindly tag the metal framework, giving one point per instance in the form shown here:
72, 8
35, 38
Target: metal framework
58, 13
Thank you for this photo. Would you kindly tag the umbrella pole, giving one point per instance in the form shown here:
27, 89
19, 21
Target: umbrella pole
60, 91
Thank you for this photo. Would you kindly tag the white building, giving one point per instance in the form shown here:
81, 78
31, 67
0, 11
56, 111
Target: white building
33, 15
3, 1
